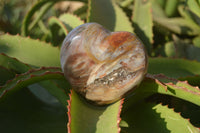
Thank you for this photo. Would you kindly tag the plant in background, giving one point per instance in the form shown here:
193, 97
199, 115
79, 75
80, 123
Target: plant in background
36, 97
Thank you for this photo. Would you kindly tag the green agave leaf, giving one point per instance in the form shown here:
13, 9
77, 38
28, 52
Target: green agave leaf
86, 118
41, 13
184, 12
30, 77
55, 21
175, 120
178, 25
164, 85
186, 85
23, 112
13, 64
174, 68
45, 5
30, 51
157, 8
41, 25
161, 3
71, 21
59, 93
81, 12
194, 7
66, 22
125, 3
143, 21
5, 75
171, 7
184, 91
108, 14
49, 113
142, 118
193, 80
35, 8
148, 117
122, 21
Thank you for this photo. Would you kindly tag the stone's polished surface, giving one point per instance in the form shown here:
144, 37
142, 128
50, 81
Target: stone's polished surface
101, 65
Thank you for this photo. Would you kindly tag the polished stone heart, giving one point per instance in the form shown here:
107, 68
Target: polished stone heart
103, 66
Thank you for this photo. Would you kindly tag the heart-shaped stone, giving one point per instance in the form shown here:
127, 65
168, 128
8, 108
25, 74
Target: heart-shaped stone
101, 65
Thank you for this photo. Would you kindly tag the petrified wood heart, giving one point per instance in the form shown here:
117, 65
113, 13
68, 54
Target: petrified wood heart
101, 65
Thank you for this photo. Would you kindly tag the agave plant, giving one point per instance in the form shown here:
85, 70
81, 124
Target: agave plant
36, 97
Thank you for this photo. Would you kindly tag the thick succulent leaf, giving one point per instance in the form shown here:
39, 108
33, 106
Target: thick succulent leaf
193, 80
87, 118
34, 9
171, 7
161, 3
184, 12
22, 112
30, 77
61, 94
55, 21
151, 118
71, 21
164, 85
122, 22
29, 51
13, 64
14, 102
45, 5
108, 14
143, 21
125, 3
180, 89
66, 22
141, 118
178, 25
5, 75
194, 6
40, 13
174, 68
174, 120
82, 12
183, 91
157, 8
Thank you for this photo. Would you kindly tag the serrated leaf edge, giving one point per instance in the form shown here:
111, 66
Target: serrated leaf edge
88, 11
31, 76
184, 88
178, 113
119, 112
60, 23
69, 111
28, 37
154, 77
74, 15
